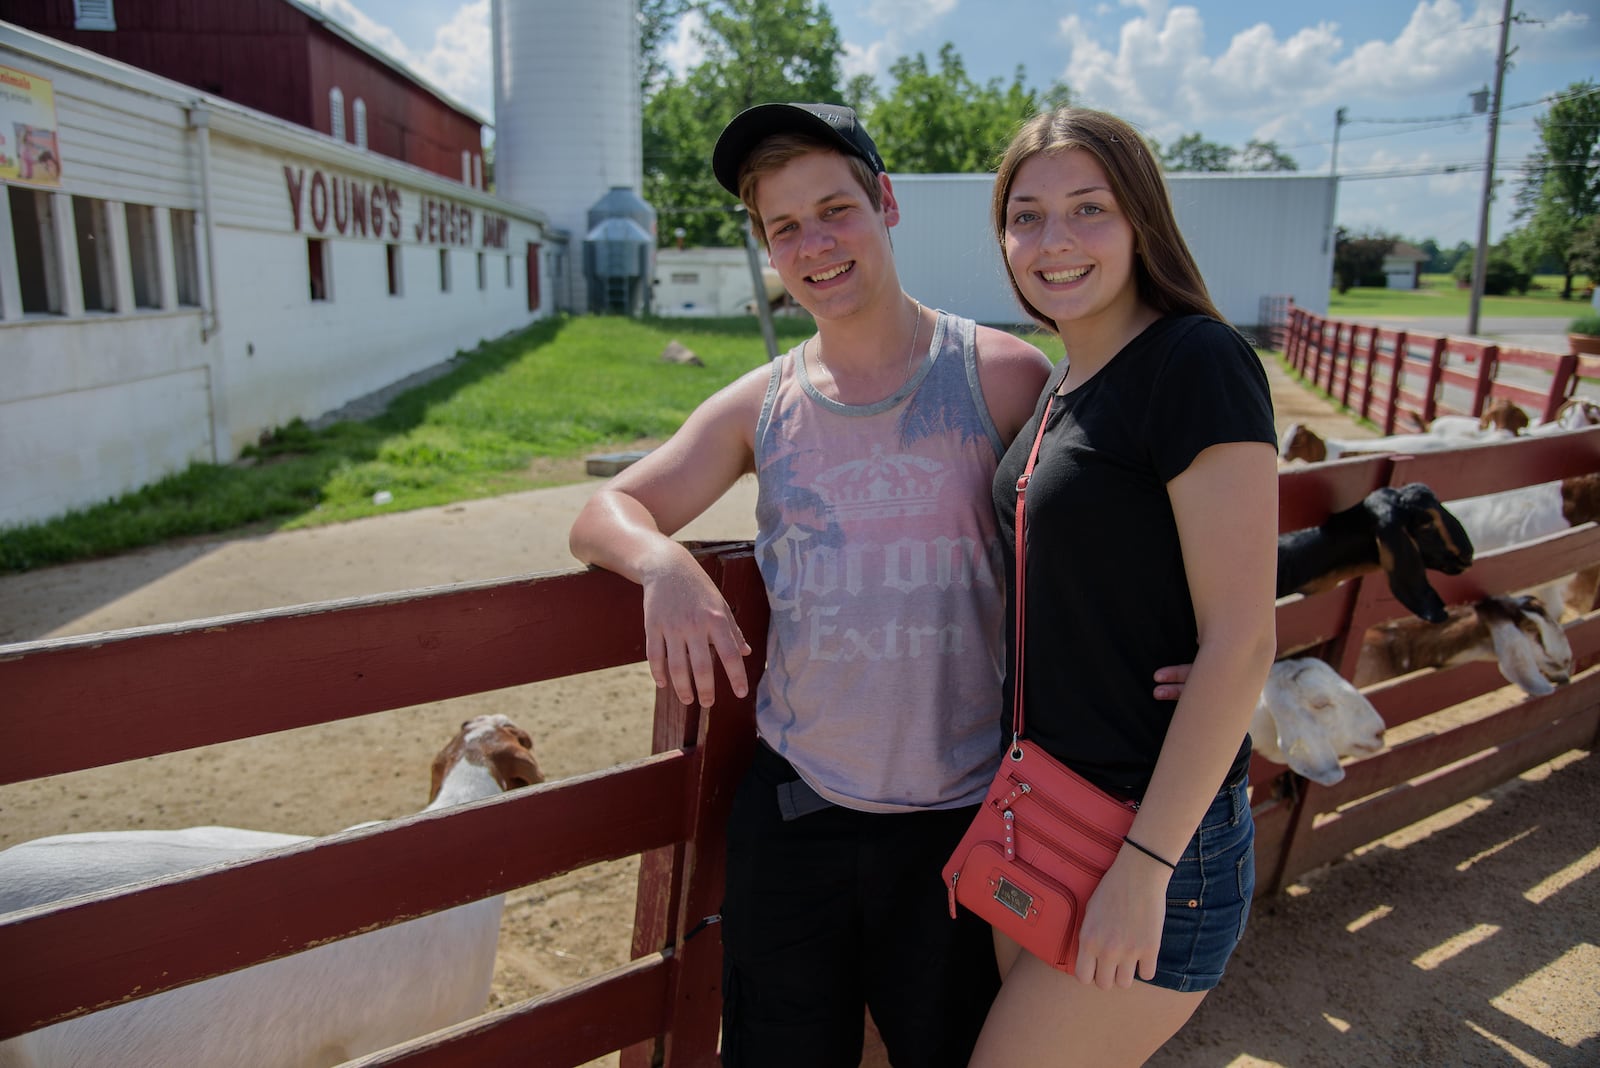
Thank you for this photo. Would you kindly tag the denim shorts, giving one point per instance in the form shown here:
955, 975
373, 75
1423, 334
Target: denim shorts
1208, 897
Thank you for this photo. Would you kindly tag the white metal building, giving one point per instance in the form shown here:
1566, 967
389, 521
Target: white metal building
1253, 236
197, 273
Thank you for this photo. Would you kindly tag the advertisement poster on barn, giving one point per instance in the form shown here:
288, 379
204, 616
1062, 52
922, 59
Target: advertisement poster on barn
29, 151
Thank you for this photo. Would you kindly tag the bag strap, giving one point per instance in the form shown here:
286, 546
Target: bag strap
1022, 571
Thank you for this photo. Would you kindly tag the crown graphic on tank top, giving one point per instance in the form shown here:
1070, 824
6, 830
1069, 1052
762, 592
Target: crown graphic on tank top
882, 486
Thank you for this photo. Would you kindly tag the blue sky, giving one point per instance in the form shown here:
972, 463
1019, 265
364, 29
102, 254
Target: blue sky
1229, 69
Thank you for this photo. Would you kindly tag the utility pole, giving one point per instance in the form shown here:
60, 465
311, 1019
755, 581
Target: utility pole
1338, 121
1480, 256
1333, 172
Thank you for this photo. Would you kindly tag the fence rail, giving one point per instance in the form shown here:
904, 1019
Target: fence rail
1398, 378
135, 693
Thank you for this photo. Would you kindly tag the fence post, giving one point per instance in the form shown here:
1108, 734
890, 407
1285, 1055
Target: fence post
1430, 398
1402, 349
1488, 367
1366, 381
1563, 385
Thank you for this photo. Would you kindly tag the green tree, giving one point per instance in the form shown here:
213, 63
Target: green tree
1584, 252
940, 121
658, 20
1560, 184
1191, 152
1358, 258
756, 51
1264, 156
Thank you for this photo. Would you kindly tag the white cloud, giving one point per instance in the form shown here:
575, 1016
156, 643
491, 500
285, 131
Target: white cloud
909, 16
684, 51
1162, 76
458, 62
872, 60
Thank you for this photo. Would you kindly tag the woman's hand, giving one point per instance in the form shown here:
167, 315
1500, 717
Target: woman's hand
1121, 935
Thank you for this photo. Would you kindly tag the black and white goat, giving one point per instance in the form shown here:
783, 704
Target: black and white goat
1404, 532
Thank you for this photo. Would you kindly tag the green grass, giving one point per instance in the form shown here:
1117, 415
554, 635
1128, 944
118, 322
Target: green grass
1439, 297
558, 390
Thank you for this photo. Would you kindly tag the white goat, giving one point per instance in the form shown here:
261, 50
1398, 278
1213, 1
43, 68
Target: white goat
320, 1007
1497, 520
1574, 414
1517, 632
1309, 716
1302, 443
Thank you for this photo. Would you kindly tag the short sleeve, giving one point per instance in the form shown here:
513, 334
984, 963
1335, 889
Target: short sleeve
1210, 389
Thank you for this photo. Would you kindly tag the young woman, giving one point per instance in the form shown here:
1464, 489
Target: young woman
1151, 539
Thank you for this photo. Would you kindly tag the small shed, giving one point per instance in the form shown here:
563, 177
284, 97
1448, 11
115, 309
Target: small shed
1402, 267
695, 282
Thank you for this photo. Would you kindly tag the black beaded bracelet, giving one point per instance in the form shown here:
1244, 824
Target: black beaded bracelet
1153, 856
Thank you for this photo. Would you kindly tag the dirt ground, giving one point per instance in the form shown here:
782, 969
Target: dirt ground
1470, 939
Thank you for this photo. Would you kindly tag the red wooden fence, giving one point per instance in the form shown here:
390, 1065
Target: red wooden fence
1398, 378
136, 693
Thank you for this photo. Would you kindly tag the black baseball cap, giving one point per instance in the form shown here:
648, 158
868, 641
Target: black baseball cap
833, 123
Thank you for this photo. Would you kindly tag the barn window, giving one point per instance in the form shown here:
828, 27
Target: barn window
336, 113
483, 272
33, 227
509, 282
95, 265
359, 110
317, 267
444, 270
185, 258
392, 254
93, 15
144, 256
466, 167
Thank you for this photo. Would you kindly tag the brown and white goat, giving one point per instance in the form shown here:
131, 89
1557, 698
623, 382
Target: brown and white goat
323, 1006
1516, 632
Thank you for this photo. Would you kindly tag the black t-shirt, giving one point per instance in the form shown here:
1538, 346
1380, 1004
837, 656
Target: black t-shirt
1108, 599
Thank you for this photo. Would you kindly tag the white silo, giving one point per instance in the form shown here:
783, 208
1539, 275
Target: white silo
566, 112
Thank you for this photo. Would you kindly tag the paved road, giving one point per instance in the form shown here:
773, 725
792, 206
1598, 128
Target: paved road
1540, 335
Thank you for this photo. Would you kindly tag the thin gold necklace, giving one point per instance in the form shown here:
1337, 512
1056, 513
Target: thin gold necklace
916, 332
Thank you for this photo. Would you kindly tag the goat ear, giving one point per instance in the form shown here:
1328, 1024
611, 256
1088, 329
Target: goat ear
513, 766
1408, 579
1518, 659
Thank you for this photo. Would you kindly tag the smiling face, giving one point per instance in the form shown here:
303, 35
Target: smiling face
827, 242
1068, 243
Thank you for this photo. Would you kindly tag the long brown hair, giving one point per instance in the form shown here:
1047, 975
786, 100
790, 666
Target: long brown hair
1164, 270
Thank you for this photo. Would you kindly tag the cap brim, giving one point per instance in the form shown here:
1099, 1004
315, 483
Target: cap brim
754, 125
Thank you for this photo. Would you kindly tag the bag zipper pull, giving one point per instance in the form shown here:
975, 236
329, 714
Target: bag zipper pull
953, 877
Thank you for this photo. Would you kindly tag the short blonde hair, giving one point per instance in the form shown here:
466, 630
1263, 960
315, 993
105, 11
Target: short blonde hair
778, 151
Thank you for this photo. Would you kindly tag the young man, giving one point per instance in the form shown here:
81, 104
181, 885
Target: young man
874, 444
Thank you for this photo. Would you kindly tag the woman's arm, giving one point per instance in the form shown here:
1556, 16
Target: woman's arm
1226, 506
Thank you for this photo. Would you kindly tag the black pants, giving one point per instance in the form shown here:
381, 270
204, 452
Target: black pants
838, 911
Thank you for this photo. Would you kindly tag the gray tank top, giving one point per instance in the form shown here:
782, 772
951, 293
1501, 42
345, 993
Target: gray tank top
878, 546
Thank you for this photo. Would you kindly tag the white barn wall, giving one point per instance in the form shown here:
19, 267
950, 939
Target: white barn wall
98, 403
1252, 236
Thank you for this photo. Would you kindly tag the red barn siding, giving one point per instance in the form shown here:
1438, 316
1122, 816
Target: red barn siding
269, 55
403, 120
